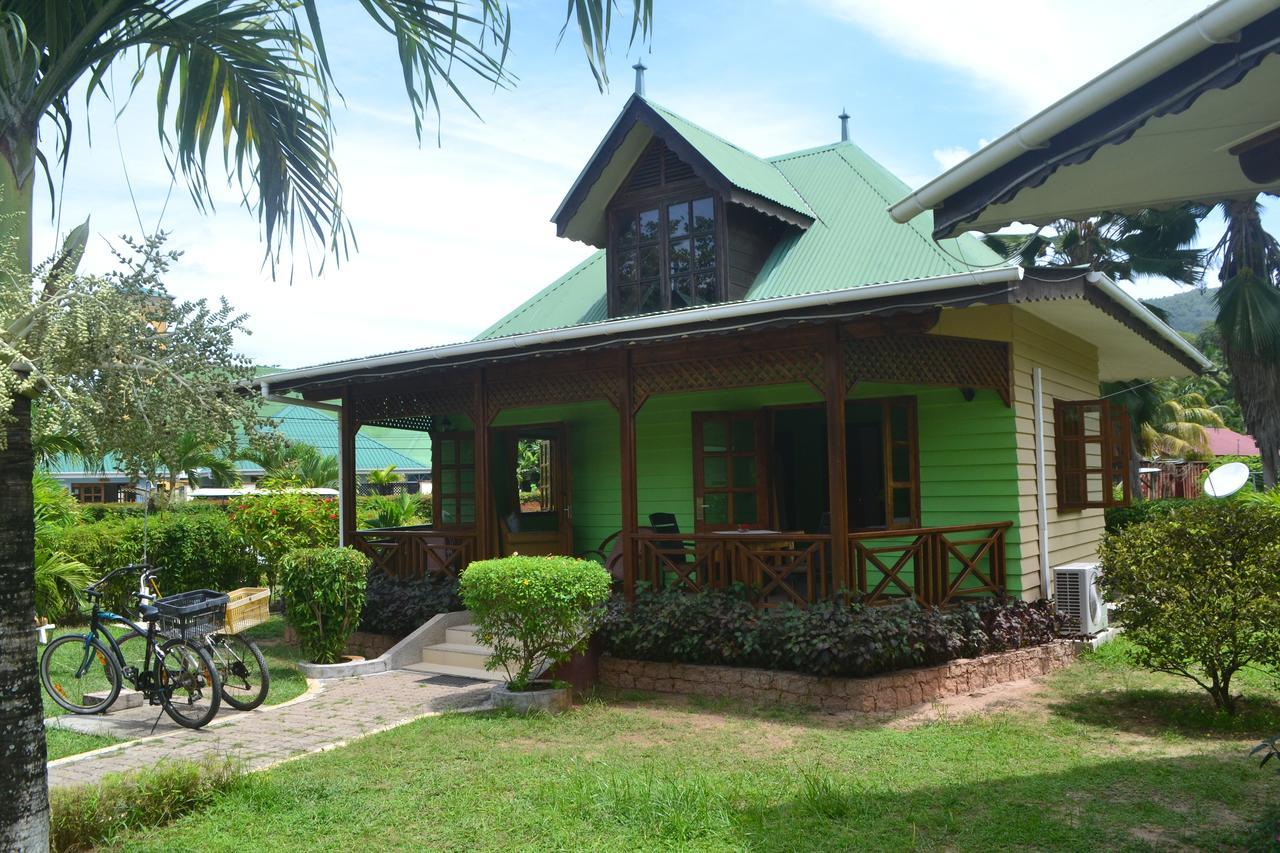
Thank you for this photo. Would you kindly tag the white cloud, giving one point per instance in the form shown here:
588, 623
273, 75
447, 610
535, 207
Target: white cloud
948, 157
1035, 51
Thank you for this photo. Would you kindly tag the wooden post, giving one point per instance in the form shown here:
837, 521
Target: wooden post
630, 498
347, 429
484, 492
837, 466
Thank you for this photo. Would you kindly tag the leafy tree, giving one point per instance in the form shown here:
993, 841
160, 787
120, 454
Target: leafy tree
253, 74
1167, 420
384, 476
190, 453
294, 465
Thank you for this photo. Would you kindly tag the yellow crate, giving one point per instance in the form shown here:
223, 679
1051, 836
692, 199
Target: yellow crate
246, 607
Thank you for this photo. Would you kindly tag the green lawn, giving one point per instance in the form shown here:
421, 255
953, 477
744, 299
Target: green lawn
1100, 755
62, 743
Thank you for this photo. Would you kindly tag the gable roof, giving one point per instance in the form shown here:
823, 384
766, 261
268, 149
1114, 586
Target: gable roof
852, 242
737, 174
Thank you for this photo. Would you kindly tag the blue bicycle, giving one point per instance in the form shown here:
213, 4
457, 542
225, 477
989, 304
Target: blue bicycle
83, 672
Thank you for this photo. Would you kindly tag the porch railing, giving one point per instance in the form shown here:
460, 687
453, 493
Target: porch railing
408, 553
936, 566
933, 565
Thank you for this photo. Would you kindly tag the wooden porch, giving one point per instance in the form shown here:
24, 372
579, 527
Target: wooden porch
934, 565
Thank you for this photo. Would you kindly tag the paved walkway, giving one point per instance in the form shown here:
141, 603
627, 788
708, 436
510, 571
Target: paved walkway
337, 712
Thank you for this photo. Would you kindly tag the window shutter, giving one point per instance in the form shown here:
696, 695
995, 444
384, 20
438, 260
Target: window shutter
1093, 448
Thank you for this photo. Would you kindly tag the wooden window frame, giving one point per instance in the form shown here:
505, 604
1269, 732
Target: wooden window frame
439, 496
1071, 447
762, 487
82, 491
663, 197
912, 443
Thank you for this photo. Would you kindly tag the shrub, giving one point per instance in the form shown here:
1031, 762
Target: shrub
1199, 591
829, 638
1120, 517
323, 595
196, 549
82, 817
393, 606
276, 523
534, 609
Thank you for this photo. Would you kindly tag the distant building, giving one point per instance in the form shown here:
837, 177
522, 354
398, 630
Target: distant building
1228, 442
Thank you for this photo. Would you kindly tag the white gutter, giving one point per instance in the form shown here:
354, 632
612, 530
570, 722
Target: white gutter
666, 322
1109, 287
295, 401
1219, 23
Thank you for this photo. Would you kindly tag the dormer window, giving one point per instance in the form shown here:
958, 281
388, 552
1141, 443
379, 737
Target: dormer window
665, 239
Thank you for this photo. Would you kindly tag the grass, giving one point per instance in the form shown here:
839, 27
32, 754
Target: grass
1100, 751
62, 743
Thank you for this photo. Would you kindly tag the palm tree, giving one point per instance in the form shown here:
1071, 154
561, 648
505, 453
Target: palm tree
295, 463
254, 76
384, 476
1248, 323
1146, 243
190, 453
1165, 419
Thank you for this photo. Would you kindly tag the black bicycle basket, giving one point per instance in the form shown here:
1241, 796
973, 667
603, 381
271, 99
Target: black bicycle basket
194, 613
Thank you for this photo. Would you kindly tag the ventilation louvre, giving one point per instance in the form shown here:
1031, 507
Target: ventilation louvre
675, 169
647, 173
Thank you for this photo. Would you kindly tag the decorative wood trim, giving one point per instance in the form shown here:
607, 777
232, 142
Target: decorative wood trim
731, 370
931, 360
413, 407
553, 384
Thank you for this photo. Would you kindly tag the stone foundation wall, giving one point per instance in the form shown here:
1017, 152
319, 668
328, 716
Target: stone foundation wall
890, 692
360, 643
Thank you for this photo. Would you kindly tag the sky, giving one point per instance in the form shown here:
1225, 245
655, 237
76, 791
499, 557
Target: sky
454, 230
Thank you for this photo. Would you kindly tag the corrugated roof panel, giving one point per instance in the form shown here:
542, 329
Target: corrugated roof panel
576, 297
743, 169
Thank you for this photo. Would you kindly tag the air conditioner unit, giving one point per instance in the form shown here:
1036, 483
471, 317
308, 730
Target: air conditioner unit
1077, 598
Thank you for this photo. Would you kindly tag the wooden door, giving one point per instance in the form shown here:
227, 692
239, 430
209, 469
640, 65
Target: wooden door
730, 471
546, 448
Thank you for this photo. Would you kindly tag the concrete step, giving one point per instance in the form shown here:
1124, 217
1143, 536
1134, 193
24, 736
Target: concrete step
464, 634
464, 671
456, 654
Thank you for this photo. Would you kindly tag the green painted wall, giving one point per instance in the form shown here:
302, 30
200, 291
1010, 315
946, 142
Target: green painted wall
968, 470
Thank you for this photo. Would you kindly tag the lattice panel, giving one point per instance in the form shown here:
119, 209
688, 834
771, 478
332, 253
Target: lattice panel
738, 370
415, 410
929, 360
553, 386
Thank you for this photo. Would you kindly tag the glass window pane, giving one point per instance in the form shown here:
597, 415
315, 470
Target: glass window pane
744, 435
715, 508
901, 465
681, 292
704, 214
679, 256
678, 220
466, 511
1092, 454
649, 262
714, 436
1098, 486
715, 472
704, 251
706, 288
744, 508
652, 300
648, 225
901, 506
626, 225
448, 449
467, 481
448, 481
744, 472
898, 421
467, 451
627, 265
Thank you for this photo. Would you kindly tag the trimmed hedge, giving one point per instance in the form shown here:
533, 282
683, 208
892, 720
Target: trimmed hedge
397, 607
830, 639
323, 595
1120, 517
197, 550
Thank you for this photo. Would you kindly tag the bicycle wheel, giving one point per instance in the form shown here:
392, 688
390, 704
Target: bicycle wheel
190, 689
245, 679
80, 674
133, 650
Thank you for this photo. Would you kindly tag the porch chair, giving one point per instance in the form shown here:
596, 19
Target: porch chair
609, 554
674, 551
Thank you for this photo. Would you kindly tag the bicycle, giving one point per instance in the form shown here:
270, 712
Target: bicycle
245, 677
83, 673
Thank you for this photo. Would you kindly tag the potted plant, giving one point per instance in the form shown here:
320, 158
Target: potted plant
323, 594
534, 612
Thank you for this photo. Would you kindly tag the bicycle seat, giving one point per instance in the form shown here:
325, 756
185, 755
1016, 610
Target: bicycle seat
148, 613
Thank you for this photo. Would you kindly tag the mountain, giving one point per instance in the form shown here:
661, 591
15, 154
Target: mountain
1188, 312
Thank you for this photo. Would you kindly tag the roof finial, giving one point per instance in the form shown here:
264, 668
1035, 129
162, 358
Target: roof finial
844, 124
640, 69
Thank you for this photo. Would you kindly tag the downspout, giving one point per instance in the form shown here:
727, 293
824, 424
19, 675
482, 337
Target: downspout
1042, 509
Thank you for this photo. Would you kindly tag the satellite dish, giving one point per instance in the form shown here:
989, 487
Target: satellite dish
1227, 480
1148, 470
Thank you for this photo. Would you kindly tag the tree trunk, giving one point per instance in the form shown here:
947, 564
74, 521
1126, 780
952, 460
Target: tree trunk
24, 798
1257, 388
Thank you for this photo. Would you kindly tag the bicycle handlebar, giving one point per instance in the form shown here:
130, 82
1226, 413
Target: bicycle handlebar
147, 570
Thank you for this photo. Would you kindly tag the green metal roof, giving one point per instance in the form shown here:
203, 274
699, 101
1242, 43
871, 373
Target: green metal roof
852, 241
743, 169
376, 447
